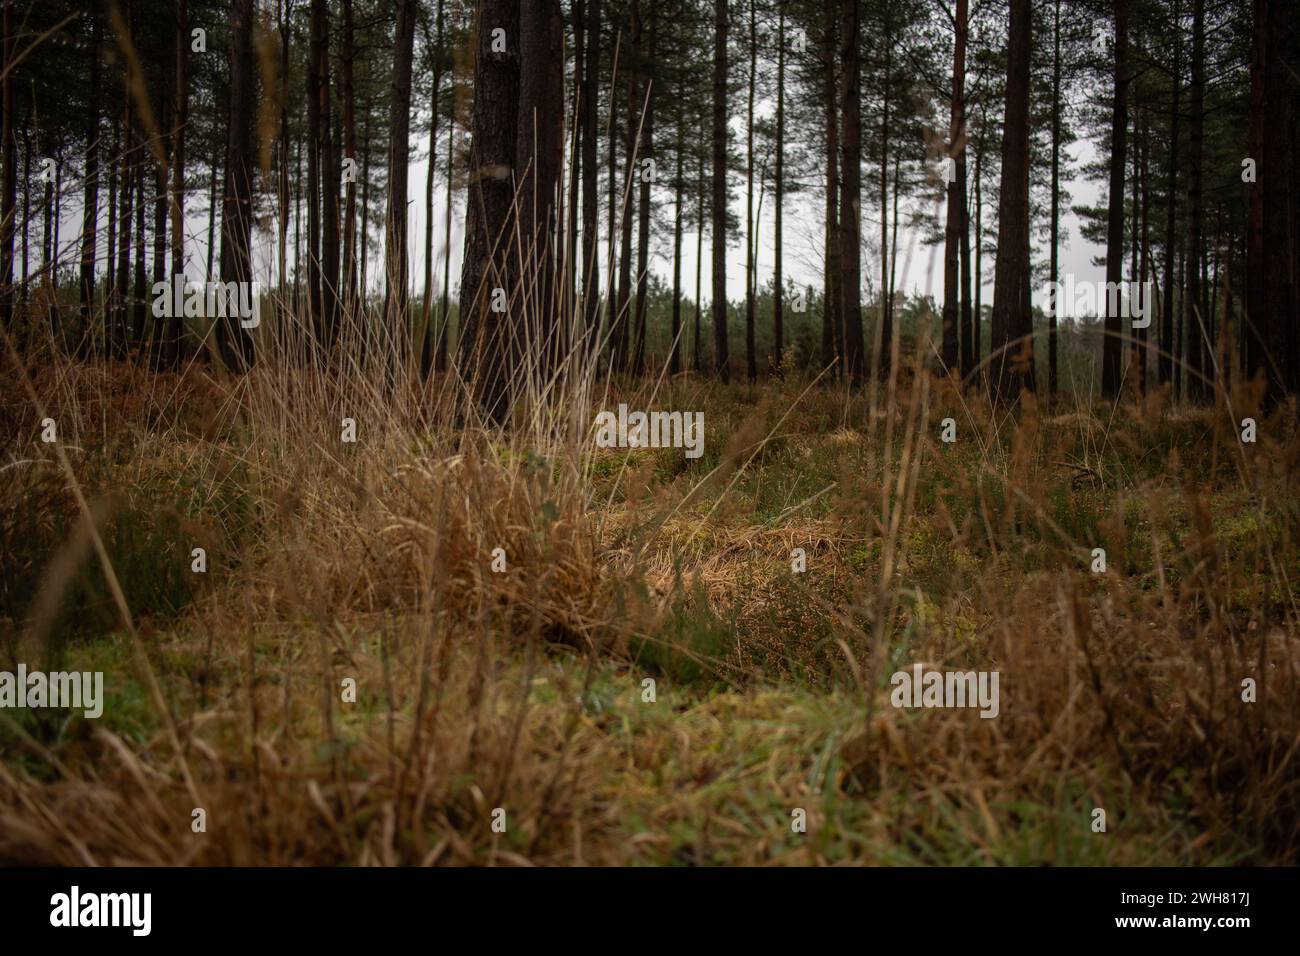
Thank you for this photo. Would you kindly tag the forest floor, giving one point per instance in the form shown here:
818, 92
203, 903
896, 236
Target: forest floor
654, 677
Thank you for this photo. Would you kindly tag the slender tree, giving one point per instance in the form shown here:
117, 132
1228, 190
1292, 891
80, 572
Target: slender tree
851, 192
721, 359
234, 342
1012, 355
1112, 344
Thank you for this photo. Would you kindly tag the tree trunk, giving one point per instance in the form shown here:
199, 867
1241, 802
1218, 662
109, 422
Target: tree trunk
696, 359
235, 343
851, 189
539, 162
956, 200
778, 287
284, 10
90, 204
180, 117
1054, 307
1012, 356
329, 171
721, 359
483, 336
9, 147
350, 151
1168, 349
123, 290
427, 358
1198, 346
832, 316
161, 203
587, 102
643, 210
885, 325
1112, 341
396, 254
674, 346
444, 330
751, 358
314, 125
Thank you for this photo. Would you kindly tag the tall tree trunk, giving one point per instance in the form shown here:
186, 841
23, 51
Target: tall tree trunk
483, 335
885, 325
315, 124
49, 251
956, 200
110, 281
350, 151
180, 117
1198, 349
751, 358
427, 349
444, 330
832, 314
569, 314
1011, 358
329, 171
1168, 349
539, 161
161, 204
284, 10
977, 320
1112, 341
674, 346
621, 322
1144, 270
212, 217
235, 343
1054, 307
643, 210
9, 147
137, 299
696, 358
721, 358
778, 280
851, 189
396, 252
587, 103
90, 204
26, 217
123, 296
1275, 310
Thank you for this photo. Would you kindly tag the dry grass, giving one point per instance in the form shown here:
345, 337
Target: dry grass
522, 690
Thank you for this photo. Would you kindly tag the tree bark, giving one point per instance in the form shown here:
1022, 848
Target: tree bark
235, 343
90, 203
1198, 346
778, 287
587, 103
539, 163
1168, 348
396, 247
488, 224
1011, 357
952, 328
1112, 341
832, 316
721, 358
